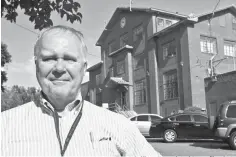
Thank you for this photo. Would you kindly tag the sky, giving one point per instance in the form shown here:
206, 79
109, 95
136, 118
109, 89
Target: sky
96, 13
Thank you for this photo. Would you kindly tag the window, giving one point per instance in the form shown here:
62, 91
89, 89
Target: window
123, 98
138, 61
155, 118
133, 119
137, 33
183, 118
172, 118
124, 40
120, 67
160, 22
231, 111
98, 79
233, 19
140, 92
230, 48
168, 23
199, 118
142, 118
111, 47
169, 49
208, 45
111, 71
170, 85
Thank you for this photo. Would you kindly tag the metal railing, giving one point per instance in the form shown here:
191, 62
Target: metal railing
115, 107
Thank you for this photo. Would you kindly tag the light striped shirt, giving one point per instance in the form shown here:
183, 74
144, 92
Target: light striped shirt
29, 130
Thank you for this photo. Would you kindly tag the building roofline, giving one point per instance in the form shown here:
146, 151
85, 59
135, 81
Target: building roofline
95, 66
194, 19
231, 7
126, 47
120, 9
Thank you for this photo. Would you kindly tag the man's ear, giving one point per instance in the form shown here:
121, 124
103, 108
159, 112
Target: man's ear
85, 67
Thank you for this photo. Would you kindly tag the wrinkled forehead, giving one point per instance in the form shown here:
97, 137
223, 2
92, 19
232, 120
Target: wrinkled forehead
57, 40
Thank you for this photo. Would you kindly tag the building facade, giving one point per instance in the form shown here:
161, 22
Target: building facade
220, 89
190, 51
155, 61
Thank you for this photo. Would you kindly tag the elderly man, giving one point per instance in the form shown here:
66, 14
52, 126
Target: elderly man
62, 123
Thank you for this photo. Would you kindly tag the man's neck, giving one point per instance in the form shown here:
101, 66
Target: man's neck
62, 106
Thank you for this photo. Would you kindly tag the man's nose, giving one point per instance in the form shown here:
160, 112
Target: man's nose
60, 66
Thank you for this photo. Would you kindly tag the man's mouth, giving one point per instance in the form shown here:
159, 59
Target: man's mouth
59, 82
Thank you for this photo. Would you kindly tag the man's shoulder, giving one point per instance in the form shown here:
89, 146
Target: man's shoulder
103, 113
19, 110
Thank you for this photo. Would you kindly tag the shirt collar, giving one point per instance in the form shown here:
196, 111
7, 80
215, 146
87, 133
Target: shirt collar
72, 107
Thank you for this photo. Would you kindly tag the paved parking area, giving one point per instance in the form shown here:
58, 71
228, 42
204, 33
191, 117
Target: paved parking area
192, 148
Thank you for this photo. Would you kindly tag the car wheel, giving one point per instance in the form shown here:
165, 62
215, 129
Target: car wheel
232, 140
170, 136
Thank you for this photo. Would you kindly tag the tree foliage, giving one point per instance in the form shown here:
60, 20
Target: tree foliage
39, 11
17, 96
5, 58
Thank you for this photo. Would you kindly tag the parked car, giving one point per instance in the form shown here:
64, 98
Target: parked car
144, 121
182, 126
225, 123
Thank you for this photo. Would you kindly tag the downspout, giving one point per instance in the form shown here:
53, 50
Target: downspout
211, 64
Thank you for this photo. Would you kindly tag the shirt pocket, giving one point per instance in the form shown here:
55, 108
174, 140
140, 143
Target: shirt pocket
106, 148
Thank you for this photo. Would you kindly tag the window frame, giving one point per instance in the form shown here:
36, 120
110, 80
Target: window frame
229, 110
119, 64
167, 25
143, 116
206, 40
158, 118
163, 22
137, 30
183, 115
143, 92
200, 116
98, 79
169, 76
124, 37
233, 20
231, 44
169, 49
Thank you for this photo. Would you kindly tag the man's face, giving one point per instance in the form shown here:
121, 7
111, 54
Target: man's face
60, 66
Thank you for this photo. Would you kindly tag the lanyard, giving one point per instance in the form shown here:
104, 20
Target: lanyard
71, 132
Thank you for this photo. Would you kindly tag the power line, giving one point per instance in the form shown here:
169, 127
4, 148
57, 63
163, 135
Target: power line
93, 55
38, 35
26, 29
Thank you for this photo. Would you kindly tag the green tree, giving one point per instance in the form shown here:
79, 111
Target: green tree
5, 58
39, 11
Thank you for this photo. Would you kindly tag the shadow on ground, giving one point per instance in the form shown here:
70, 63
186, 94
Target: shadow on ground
203, 143
211, 145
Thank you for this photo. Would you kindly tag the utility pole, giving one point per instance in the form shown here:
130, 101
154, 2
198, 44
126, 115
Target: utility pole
130, 3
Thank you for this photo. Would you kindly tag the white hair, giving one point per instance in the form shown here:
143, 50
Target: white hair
64, 29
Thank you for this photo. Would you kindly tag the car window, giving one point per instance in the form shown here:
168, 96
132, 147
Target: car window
133, 119
231, 112
199, 118
155, 118
142, 118
172, 118
183, 118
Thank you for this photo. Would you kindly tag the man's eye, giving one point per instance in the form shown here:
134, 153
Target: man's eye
49, 59
71, 60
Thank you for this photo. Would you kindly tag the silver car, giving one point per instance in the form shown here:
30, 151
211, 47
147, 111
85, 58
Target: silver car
143, 122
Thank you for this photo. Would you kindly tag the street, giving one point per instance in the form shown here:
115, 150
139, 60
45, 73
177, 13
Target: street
192, 148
